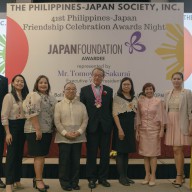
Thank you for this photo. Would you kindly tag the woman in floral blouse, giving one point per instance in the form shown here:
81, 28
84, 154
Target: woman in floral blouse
39, 109
13, 120
124, 109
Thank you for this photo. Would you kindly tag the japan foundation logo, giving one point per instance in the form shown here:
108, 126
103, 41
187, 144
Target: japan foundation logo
134, 45
2, 53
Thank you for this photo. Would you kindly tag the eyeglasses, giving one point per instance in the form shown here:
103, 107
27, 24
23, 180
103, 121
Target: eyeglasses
68, 89
99, 76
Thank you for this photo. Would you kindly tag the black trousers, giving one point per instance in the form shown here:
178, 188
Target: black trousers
98, 140
13, 168
69, 163
2, 140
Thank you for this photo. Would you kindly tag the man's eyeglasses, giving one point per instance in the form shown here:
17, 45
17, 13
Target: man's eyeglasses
68, 89
99, 76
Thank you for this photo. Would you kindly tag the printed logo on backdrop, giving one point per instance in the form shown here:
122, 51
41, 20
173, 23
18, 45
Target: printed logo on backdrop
68, 40
17, 49
174, 50
134, 43
2, 45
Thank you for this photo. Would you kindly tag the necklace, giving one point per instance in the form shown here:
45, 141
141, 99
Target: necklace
176, 93
175, 98
177, 90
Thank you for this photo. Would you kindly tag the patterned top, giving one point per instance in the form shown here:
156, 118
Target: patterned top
11, 109
42, 106
174, 103
121, 105
150, 112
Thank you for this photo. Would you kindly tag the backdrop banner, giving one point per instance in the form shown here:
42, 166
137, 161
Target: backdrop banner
2, 45
65, 41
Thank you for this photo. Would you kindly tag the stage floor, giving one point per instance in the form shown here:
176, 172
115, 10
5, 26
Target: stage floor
165, 168
112, 161
162, 185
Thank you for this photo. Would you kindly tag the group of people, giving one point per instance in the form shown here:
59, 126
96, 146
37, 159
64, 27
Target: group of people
91, 119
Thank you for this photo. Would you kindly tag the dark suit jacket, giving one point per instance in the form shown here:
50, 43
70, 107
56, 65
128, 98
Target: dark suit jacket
101, 115
3, 91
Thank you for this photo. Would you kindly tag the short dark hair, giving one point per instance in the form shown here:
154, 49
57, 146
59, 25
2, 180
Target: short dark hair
177, 73
24, 91
37, 81
69, 83
141, 93
100, 69
132, 92
148, 85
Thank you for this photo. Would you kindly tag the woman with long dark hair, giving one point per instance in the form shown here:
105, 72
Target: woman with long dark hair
178, 104
13, 120
39, 109
124, 109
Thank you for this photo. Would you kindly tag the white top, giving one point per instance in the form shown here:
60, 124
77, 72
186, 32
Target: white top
121, 105
70, 116
11, 109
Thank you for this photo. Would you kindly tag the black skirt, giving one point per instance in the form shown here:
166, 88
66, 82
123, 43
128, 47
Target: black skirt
38, 148
128, 145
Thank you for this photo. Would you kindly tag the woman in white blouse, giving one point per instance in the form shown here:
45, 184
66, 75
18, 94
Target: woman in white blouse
39, 109
13, 120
